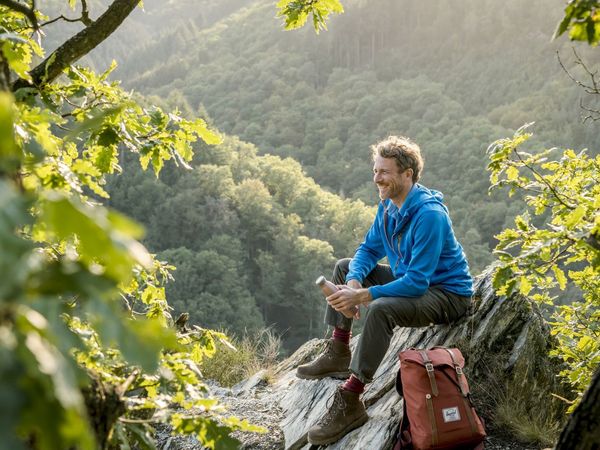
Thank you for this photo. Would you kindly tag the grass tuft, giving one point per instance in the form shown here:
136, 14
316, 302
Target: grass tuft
529, 424
510, 408
253, 352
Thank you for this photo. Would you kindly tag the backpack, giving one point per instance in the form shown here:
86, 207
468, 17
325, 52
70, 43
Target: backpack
438, 412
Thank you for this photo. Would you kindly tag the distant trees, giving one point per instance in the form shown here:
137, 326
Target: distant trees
436, 83
248, 234
211, 286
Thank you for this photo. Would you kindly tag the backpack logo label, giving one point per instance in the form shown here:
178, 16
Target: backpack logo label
451, 414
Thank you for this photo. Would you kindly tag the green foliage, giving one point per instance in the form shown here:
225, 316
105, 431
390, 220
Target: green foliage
582, 21
554, 242
173, 394
82, 302
296, 12
16, 45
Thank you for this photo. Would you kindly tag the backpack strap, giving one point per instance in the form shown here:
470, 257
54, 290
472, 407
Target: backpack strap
399, 388
434, 430
459, 373
470, 417
403, 436
460, 378
430, 372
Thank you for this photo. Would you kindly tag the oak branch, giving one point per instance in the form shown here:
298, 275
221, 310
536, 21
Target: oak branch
80, 44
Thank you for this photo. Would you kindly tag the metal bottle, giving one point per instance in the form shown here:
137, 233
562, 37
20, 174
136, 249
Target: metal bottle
329, 288
326, 286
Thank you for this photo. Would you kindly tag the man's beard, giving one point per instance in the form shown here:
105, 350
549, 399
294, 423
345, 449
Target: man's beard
390, 190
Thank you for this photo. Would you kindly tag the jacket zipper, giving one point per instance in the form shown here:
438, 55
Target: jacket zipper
391, 243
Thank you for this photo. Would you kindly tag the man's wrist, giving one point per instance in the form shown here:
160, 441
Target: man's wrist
354, 283
365, 296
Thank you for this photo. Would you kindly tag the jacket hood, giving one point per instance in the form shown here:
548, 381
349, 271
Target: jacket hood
418, 196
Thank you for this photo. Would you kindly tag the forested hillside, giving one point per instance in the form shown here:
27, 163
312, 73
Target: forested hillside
454, 76
248, 234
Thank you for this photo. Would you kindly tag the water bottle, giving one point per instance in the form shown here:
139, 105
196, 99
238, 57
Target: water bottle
326, 286
329, 288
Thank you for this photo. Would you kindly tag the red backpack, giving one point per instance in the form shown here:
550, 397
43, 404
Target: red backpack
438, 413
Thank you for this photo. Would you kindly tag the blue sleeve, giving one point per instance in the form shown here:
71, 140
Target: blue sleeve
431, 230
368, 253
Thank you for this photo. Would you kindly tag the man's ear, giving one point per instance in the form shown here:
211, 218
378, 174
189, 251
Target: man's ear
410, 172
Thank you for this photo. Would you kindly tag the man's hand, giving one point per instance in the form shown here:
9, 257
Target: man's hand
354, 311
348, 299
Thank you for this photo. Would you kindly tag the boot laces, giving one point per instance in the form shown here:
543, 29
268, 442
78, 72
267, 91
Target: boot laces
334, 404
328, 352
329, 349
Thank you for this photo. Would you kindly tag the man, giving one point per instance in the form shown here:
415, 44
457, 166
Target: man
427, 281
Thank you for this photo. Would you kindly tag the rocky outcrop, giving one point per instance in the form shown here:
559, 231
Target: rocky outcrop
505, 342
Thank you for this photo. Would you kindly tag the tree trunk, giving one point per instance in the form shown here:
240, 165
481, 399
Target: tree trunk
104, 406
4, 74
582, 431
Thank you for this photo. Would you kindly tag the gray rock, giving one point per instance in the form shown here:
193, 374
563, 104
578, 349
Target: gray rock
250, 385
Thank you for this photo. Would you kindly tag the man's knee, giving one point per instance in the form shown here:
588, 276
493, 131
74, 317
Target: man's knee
392, 311
342, 266
378, 313
376, 308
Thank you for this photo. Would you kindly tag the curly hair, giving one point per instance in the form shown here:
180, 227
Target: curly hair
406, 153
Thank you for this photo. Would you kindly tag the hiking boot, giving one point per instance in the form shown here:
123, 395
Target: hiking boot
346, 413
333, 362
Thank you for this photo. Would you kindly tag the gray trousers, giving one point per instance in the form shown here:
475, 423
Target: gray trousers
437, 306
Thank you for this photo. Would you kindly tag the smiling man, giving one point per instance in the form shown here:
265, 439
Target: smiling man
426, 282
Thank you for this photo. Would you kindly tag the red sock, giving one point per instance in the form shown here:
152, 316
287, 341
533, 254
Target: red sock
341, 335
353, 384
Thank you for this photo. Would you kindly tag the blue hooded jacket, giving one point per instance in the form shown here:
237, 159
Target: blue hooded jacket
420, 246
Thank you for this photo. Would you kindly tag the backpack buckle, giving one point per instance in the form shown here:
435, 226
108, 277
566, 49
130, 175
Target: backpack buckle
429, 367
459, 370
